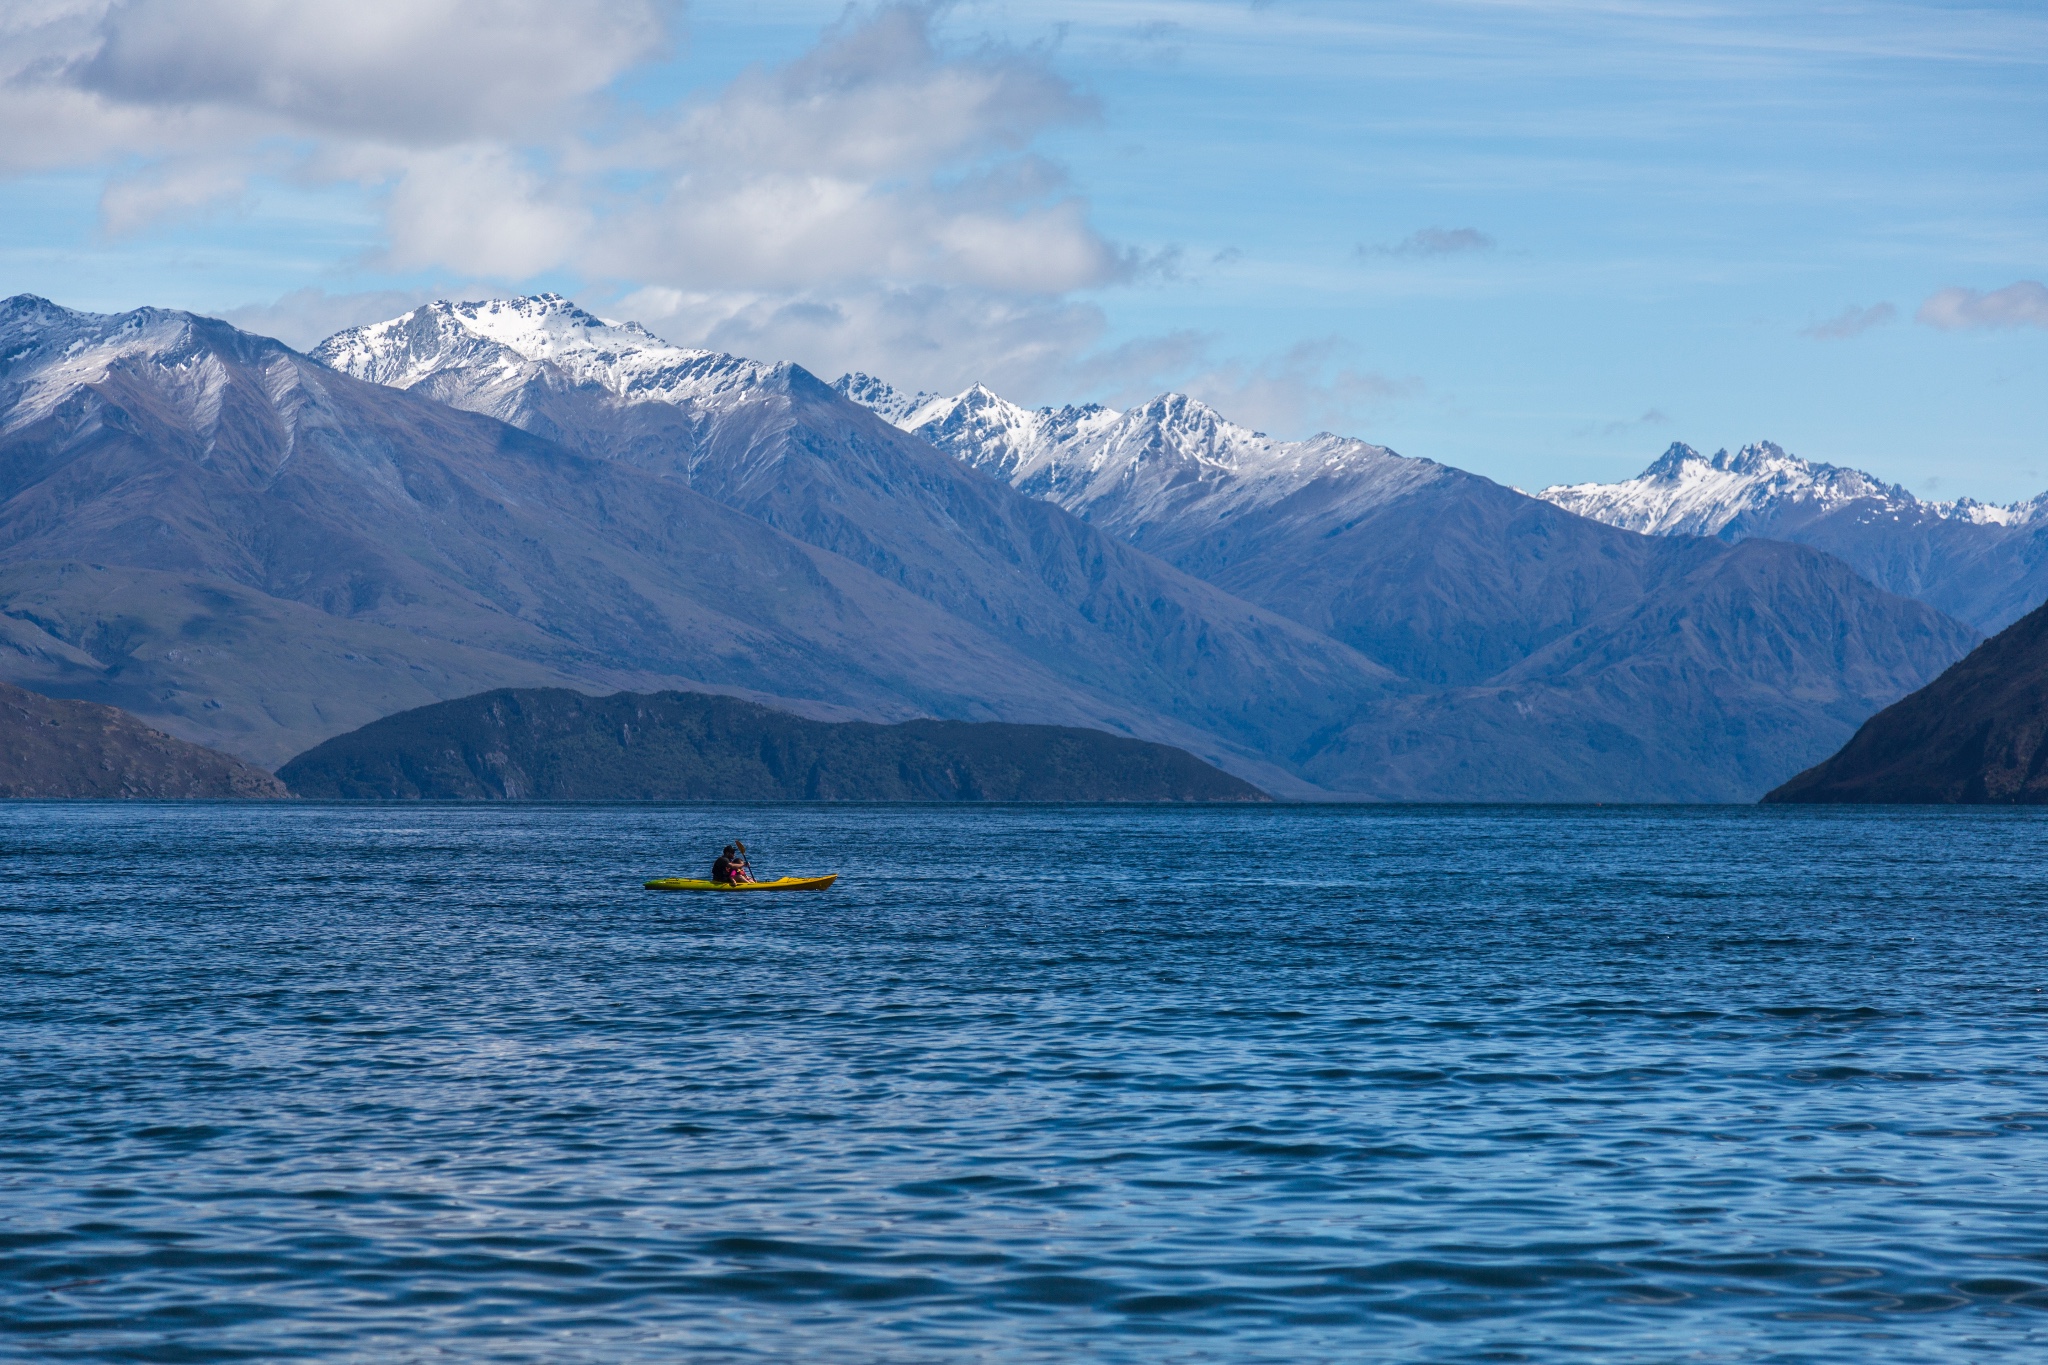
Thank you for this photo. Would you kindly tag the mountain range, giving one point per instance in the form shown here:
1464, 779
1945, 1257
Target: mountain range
1562, 655
1981, 563
259, 549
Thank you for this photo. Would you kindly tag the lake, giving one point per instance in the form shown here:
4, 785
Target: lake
1030, 1084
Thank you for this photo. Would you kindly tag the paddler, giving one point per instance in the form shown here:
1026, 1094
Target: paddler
739, 871
721, 867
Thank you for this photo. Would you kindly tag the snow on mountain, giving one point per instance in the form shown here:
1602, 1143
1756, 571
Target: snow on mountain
500, 347
48, 353
1981, 563
1760, 490
57, 361
1173, 460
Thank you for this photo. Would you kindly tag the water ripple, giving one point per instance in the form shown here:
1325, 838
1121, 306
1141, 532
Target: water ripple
324, 1083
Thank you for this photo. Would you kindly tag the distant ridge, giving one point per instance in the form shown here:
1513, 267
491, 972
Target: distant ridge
1982, 563
1977, 735
65, 750
552, 744
1553, 658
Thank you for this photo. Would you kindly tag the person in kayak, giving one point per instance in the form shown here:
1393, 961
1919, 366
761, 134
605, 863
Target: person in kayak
721, 868
740, 871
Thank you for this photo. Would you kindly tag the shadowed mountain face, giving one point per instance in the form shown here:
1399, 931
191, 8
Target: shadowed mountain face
253, 548
60, 750
1977, 735
1566, 659
556, 745
1985, 565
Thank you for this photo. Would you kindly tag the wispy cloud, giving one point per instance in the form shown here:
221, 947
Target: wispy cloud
1851, 321
1653, 417
306, 317
1432, 241
1302, 389
2022, 304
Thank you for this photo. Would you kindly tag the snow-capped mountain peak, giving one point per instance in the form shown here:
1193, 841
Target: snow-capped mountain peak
1173, 458
504, 344
48, 353
1760, 489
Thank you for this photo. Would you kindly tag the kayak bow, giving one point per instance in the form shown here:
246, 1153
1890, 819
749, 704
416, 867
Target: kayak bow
779, 884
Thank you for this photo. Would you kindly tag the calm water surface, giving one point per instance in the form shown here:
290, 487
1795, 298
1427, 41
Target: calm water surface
319, 1083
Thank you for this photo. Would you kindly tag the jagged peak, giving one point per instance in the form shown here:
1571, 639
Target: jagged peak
1684, 492
520, 337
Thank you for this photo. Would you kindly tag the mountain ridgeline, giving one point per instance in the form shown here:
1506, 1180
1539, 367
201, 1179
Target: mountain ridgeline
1984, 564
258, 550
1977, 735
1552, 657
552, 744
52, 749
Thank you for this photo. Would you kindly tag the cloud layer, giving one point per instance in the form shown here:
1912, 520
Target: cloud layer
882, 202
2023, 304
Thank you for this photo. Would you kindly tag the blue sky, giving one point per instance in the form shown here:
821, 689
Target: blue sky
1536, 240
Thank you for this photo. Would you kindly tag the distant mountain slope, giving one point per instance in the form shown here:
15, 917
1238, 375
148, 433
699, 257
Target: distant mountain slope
1977, 735
53, 749
1985, 565
1575, 659
190, 515
1708, 690
557, 745
774, 443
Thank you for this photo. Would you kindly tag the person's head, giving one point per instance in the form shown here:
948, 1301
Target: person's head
728, 850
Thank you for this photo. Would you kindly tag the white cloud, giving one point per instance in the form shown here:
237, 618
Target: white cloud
1851, 321
485, 209
173, 188
921, 337
2022, 304
876, 159
878, 203
305, 317
1300, 390
877, 98
408, 71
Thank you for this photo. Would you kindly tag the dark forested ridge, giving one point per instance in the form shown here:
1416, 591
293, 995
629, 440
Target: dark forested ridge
552, 744
52, 749
1976, 735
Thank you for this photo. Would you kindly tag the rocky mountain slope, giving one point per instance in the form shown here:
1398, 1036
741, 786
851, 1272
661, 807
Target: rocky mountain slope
556, 745
56, 749
1977, 735
1983, 564
1564, 656
255, 549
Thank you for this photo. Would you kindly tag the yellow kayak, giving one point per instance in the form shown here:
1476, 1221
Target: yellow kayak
779, 884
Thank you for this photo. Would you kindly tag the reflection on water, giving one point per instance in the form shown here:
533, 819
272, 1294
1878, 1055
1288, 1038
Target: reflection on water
1029, 1084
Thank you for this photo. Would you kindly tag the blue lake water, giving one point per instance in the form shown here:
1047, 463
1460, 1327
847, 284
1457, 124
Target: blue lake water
1276, 1084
